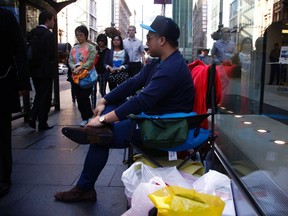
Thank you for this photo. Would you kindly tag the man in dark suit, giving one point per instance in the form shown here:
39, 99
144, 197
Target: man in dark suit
42, 73
14, 82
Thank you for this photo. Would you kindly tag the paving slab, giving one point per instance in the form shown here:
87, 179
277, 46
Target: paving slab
47, 162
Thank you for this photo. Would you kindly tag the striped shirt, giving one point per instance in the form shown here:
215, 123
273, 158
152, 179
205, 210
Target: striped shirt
134, 48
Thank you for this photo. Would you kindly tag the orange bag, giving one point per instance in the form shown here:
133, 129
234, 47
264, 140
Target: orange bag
76, 77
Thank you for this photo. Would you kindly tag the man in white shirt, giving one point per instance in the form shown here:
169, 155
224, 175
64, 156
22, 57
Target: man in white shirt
223, 49
135, 50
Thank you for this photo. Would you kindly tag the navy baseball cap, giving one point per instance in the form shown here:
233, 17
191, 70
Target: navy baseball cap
164, 26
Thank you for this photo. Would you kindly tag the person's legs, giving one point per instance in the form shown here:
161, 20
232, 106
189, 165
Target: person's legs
36, 103
277, 72
97, 156
102, 83
5, 153
95, 161
73, 94
83, 101
45, 90
272, 74
112, 85
94, 95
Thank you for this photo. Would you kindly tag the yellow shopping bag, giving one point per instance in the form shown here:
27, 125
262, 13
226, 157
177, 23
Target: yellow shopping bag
177, 201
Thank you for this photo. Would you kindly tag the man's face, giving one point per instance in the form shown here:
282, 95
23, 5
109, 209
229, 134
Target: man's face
51, 23
225, 35
205, 52
131, 32
153, 44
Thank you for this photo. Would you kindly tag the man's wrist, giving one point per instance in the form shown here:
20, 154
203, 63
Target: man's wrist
102, 119
102, 101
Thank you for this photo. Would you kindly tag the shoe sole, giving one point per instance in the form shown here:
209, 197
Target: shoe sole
82, 138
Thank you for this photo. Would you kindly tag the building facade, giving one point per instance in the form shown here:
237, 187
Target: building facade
199, 30
182, 14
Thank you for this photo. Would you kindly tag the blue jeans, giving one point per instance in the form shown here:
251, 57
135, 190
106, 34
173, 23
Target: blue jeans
97, 155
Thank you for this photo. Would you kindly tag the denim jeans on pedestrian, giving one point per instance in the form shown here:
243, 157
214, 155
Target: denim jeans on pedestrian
97, 155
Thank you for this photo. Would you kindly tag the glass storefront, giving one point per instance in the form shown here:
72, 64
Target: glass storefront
252, 119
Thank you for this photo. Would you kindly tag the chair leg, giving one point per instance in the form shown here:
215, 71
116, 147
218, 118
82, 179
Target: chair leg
124, 157
130, 160
187, 158
198, 149
147, 156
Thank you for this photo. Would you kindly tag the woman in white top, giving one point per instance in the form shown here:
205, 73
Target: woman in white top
116, 59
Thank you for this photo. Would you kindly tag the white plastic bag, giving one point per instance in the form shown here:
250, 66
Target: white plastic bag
216, 183
138, 172
140, 203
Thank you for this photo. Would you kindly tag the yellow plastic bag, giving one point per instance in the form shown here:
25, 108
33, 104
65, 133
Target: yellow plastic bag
177, 201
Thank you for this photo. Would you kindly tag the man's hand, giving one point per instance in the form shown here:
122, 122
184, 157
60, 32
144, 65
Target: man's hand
78, 70
94, 122
100, 107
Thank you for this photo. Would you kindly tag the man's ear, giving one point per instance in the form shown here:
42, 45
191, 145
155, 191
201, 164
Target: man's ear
161, 41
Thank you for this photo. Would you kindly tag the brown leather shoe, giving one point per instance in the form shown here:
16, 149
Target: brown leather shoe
76, 195
89, 135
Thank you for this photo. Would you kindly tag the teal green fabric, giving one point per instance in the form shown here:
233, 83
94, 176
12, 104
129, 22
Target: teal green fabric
163, 133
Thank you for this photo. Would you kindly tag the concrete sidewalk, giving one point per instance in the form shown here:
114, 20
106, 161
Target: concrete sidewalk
47, 162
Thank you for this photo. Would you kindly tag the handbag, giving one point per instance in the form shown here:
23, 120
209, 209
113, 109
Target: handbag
87, 78
118, 77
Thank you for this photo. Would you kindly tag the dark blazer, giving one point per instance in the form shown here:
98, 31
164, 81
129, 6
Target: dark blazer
13, 56
108, 59
100, 66
45, 70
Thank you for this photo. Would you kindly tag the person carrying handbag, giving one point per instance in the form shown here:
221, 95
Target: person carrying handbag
81, 58
116, 63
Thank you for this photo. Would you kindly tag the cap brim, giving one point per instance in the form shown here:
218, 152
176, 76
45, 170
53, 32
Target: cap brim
147, 27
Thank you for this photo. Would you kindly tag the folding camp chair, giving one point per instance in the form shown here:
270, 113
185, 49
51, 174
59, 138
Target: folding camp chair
192, 145
196, 140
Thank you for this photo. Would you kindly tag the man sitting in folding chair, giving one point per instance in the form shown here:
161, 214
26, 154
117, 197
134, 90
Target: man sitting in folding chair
166, 87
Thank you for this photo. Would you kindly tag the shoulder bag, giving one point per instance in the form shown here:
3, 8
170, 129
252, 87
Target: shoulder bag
87, 78
118, 77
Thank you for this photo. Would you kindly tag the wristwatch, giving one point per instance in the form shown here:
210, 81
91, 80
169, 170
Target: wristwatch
102, 119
